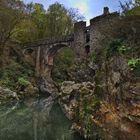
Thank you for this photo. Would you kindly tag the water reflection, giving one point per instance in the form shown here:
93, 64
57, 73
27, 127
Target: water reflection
34, 120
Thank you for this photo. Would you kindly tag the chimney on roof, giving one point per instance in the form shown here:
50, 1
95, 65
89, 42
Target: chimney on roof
106, 11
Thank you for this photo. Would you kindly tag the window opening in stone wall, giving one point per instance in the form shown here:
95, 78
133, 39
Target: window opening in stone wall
87, 36
87, 49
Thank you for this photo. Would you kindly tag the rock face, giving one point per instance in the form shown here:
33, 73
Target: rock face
119, 112
111, 105
120, 106
72, 94
7, 95
47, 85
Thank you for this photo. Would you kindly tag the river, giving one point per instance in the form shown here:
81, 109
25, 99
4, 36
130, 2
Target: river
35, 119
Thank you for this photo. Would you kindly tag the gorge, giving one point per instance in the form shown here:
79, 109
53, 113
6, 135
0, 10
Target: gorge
97, 84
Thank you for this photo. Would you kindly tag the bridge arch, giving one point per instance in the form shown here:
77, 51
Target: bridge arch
44, 51
63, 61
52, 51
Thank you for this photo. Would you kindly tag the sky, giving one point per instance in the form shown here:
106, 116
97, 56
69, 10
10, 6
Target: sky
88, 8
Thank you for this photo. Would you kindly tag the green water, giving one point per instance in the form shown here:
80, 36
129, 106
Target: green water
39, 119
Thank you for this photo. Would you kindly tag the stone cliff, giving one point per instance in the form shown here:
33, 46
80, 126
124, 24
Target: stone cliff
107, 106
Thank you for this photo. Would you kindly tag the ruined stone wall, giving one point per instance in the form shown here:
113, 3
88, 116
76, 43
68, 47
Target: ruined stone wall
87, 39
100, 28
79, 37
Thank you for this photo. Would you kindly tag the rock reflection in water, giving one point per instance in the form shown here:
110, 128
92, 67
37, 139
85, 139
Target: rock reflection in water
35, 120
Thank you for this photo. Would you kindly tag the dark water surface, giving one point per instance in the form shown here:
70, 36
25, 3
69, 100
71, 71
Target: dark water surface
39, 119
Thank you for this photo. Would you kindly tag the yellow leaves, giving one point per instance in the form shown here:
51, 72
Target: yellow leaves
26, 31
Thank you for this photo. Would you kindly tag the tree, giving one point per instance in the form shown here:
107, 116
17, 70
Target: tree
131, 8
75, 15
25, 31
28, 22
34, 25
11, 13
137, 2
60, 20
39, 18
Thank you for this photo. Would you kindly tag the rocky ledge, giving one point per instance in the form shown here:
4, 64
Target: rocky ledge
6, 95
72, 95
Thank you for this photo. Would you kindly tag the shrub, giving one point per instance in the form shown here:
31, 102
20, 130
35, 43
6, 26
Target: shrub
133, 63
11, 73
23, 82
117, 46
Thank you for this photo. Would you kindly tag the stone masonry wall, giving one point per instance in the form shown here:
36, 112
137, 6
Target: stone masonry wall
100, 28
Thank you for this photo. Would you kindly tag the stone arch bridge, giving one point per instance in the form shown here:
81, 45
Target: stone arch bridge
41, 53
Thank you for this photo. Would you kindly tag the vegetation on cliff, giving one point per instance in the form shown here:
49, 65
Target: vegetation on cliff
131, 7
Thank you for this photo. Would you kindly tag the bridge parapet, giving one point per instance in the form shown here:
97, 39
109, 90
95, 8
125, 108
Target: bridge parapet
50, 41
